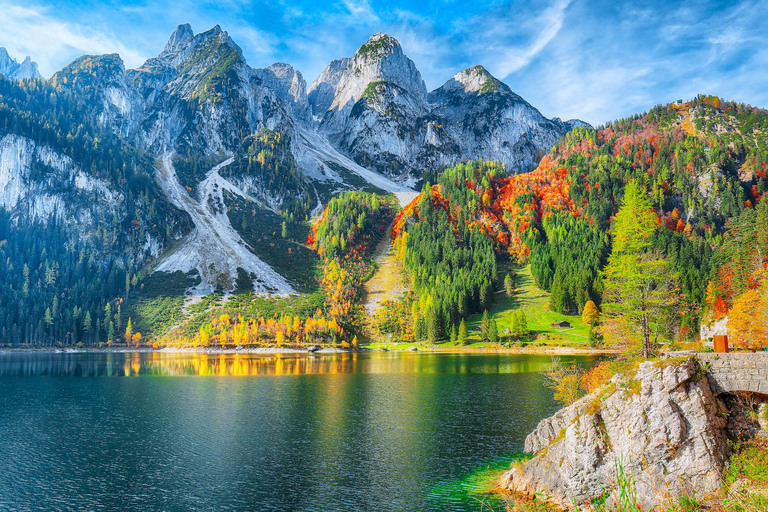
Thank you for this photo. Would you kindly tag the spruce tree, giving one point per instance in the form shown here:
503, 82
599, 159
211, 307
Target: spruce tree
463, 334
493, 332
485, 326
509, 286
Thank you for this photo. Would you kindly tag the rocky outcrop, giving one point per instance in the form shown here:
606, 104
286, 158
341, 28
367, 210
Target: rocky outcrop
10, 68
374, 108
710, 328
665, 427
491, 122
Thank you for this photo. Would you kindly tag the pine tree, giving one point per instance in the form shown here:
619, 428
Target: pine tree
485, 325
87, 324
493, 332
433, 328
515, 327
463, 334
523, 324
509, 286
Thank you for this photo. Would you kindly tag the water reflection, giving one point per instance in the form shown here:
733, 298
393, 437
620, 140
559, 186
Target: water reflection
367, 431
163, 364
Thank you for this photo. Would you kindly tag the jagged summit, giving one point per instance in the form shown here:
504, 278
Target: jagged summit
10, 68
475, 81
184, 46
380, 58
379, 45
179, 40
478, 79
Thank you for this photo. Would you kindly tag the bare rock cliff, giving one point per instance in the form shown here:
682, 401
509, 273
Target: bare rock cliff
665, 427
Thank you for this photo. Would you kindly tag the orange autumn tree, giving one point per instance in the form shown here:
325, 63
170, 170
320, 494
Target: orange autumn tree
590, 314
748, 318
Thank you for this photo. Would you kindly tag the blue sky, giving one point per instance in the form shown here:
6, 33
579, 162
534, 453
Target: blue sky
592, 59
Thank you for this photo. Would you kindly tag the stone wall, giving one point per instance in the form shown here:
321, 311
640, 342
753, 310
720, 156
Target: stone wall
734, 372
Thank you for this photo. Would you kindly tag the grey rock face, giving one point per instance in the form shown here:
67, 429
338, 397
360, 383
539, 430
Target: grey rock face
379, 59
490, 121
323, 90
666, 428
290, 87
10, 68
472, 116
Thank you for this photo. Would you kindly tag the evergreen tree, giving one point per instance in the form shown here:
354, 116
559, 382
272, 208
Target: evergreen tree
515, 327
509, 286
485, 326
523, 324
493, 332
463, 334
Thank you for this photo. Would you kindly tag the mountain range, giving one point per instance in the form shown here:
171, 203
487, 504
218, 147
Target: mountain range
197, 118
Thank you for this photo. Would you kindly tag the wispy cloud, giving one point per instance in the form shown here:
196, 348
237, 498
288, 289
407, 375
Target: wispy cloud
516, 58
593, 59
31, 31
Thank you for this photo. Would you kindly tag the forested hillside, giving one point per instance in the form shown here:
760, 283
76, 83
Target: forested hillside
80, 218
702, 164
328, 311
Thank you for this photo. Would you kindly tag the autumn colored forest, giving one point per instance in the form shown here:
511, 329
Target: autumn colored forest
701, 168
697, 224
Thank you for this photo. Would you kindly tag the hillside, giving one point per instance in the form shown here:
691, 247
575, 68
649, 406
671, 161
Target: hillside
195, 162
702, 164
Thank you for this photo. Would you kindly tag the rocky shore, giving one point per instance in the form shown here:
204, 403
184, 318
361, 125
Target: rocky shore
665, 431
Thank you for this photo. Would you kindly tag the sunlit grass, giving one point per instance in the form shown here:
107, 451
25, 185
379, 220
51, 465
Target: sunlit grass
535, 302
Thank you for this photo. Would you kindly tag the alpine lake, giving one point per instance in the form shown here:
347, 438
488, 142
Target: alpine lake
156, 431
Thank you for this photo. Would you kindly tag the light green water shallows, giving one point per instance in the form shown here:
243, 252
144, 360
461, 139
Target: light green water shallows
168, 432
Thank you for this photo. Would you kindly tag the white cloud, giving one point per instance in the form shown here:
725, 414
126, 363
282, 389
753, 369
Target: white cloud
254, 41
515, 58
360, 11
31, 31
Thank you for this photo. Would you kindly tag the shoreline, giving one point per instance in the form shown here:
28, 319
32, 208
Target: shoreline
554, 350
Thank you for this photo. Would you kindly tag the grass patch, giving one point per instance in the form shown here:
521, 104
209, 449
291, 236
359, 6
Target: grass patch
535, 302
159, 303
749, 461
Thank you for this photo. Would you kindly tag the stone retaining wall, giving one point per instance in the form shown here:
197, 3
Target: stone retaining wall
737, 371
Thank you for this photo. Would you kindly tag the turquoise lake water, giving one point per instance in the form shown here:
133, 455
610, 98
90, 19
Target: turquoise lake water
192, 432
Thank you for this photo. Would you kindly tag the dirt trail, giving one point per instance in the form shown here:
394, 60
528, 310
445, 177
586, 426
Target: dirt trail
387, 281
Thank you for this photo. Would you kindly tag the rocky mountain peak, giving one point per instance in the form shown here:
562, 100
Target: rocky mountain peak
184, 46
179, 40
379, 45
474, 81
381, 58
10, 68
323, 90
4, 57
289, 85
477, 79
